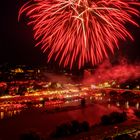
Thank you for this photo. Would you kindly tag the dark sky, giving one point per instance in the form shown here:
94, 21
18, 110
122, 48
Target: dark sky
17, 44
16, 38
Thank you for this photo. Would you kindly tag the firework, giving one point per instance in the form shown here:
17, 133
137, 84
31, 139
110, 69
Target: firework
79, 31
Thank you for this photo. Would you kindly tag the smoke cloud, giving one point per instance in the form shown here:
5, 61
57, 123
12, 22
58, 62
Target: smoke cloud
107, 72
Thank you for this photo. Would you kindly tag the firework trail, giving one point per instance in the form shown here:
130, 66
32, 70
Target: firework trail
79, 31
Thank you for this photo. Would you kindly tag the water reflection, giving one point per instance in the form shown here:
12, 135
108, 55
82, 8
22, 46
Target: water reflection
1, 115
108, 105
9, 110
117, 104
137, 105
10, 113
127, 105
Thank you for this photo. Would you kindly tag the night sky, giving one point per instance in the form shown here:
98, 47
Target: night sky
17, 43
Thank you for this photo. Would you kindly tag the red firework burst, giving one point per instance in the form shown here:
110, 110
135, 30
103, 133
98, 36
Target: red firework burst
79, 31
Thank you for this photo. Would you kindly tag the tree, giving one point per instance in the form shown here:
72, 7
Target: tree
137, 113
128, 95
85, 126
105, 120
75, 125
30, 136
114, 117
123, 137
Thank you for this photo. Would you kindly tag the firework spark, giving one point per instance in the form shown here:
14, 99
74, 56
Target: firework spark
79, 31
